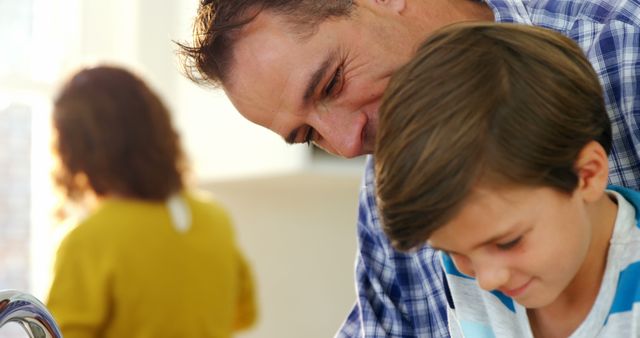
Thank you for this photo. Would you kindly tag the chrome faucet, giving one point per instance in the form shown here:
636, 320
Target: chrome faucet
28, 312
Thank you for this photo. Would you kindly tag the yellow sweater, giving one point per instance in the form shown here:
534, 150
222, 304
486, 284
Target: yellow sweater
126, 272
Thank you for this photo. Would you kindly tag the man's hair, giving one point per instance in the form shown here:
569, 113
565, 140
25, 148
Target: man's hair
218, 23
482, 103
114, 136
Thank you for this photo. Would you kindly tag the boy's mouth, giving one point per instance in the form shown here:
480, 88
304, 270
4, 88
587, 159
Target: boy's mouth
515, 292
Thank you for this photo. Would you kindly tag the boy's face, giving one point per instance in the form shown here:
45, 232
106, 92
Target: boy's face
530, 243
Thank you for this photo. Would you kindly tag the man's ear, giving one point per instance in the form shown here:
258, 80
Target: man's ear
396, 6
592, 168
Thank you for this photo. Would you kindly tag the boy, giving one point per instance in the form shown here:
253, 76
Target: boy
503, 131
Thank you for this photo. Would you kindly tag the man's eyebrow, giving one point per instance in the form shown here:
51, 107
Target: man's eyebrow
317, 76
312, 85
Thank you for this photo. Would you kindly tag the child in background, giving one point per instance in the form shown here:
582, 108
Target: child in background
493, 148
152, 259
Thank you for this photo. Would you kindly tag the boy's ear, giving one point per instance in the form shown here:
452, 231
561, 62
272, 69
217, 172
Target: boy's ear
396, 6
592, 168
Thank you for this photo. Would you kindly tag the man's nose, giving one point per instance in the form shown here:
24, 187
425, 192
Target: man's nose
341, 133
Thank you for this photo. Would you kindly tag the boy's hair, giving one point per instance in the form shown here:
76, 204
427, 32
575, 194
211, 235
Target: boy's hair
482, 103
215, 30
114, 136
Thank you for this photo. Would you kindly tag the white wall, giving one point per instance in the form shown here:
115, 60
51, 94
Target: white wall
295, 222
299, 234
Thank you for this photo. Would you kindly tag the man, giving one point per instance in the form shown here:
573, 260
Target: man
314, 71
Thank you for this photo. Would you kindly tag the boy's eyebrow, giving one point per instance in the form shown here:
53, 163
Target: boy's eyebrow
488, 241
493, 239
515, 228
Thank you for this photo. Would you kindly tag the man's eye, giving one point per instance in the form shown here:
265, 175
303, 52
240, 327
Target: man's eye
335, 81
509, 245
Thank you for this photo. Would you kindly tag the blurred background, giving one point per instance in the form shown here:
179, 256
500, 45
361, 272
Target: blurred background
294, 207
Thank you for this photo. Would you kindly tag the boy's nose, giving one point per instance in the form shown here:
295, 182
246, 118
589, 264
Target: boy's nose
491, 277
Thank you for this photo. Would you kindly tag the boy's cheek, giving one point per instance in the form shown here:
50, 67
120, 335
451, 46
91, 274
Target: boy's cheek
463, 264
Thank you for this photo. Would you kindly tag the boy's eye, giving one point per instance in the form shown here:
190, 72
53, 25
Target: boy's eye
335, 81
509, 245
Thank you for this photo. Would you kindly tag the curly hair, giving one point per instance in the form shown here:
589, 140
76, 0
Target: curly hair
114, 136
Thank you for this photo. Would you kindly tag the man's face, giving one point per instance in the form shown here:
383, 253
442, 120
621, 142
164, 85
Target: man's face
325, 88
532, 244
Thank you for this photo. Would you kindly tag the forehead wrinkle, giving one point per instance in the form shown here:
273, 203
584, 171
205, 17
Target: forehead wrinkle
283, 95
286, 105
267, 100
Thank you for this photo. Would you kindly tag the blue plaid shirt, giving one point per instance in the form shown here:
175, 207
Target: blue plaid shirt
401, 295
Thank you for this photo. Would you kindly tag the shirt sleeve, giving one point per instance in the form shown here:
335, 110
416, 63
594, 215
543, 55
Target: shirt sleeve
399, 294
